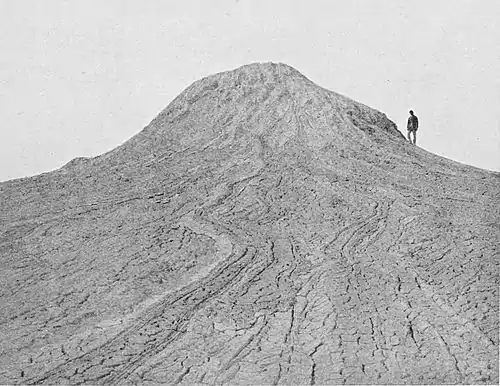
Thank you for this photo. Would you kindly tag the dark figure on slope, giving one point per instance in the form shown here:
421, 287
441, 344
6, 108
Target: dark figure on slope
412, 127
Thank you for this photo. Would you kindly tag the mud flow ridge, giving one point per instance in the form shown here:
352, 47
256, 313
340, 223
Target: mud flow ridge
260, 230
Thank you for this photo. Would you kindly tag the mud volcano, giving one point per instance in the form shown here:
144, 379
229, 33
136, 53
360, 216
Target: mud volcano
261, 230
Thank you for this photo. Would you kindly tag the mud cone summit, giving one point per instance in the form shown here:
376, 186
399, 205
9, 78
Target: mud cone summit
261, 230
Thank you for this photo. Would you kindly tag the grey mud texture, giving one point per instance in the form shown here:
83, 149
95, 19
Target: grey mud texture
261, 230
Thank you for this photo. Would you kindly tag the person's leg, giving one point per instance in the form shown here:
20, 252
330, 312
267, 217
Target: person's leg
414, 137
409, 138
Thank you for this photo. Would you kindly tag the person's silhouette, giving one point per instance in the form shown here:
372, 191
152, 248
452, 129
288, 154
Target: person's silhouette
412, 127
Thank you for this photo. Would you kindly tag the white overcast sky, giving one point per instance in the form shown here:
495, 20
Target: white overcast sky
77, 78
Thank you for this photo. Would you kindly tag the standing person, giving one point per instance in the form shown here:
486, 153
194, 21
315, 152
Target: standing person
412, 127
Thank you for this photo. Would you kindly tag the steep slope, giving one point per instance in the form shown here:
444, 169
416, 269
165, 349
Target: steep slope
260, 230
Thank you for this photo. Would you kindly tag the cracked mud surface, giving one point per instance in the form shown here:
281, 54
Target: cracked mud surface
261, 230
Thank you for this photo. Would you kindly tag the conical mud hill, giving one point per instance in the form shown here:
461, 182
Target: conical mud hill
261, 230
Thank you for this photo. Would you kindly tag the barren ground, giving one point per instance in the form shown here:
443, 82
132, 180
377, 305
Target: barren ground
261, 230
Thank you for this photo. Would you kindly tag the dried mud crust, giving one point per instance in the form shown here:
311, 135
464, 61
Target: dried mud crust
291, 239
352, 310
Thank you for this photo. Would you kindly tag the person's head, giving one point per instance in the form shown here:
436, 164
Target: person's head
411, 112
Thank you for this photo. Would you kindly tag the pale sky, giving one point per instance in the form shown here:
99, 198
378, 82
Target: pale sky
78, 78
